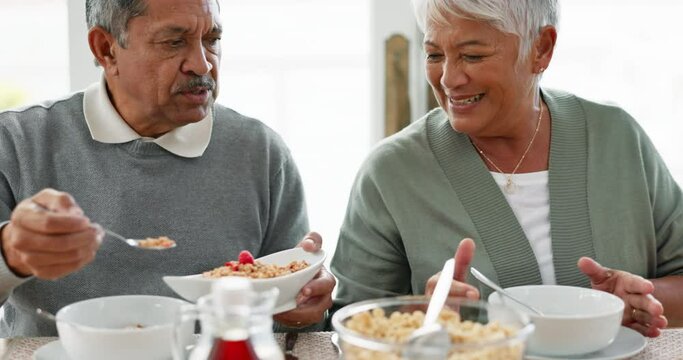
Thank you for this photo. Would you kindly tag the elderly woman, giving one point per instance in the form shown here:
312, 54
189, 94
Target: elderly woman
542, 181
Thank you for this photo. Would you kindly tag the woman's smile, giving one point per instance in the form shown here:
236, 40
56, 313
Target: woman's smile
461, 103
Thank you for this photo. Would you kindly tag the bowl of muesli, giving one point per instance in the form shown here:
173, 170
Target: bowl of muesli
380, 329
287, 270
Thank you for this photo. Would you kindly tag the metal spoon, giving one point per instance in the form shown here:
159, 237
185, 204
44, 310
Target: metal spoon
132, 242
50, 316
137, 242
45, 314
486, 281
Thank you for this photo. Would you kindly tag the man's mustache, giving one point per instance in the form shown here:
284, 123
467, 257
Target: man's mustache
206, 82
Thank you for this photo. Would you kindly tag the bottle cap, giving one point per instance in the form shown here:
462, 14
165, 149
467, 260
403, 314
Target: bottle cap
232, 294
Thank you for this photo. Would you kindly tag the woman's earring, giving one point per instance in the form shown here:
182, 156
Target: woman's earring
541, 70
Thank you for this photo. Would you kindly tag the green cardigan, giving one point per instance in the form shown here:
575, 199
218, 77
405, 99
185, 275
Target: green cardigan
424, 189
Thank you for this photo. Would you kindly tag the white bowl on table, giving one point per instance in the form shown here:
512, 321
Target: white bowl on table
192, 287
576, 320
130, 327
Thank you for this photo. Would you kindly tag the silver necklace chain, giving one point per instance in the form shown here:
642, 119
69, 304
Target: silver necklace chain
510, 186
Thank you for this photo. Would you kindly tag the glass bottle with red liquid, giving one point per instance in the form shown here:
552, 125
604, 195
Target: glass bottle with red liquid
230, 316
236, 323
232, 350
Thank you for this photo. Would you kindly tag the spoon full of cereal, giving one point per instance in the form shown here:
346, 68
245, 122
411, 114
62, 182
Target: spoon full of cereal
157, 243
431, 340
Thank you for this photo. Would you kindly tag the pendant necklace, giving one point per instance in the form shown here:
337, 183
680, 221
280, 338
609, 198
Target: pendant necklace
510, 187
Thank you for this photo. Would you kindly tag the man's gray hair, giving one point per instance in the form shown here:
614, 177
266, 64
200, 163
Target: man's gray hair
113, 16
523, 18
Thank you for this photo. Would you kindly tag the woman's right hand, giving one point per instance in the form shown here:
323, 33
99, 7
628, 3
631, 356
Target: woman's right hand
49, 237
459, 288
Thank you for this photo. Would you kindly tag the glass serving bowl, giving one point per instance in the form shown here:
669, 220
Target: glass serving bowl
478, 333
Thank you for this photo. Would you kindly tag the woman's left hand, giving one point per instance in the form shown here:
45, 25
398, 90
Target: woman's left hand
642, 312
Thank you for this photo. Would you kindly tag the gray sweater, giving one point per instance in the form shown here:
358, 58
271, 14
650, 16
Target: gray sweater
244, 192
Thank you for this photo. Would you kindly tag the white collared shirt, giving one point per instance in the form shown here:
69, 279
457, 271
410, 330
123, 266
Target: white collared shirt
107, 126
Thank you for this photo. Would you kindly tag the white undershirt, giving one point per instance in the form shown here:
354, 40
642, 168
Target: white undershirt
531, 204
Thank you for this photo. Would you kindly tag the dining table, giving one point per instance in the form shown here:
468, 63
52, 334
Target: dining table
317, 346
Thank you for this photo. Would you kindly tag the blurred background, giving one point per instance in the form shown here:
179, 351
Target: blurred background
314, 71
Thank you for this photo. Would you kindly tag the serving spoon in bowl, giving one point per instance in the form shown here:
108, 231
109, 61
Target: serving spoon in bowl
431, 334
488, 282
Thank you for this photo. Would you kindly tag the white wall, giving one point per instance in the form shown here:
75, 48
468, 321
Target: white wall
302, 67
82, 69
33, 34
627, 52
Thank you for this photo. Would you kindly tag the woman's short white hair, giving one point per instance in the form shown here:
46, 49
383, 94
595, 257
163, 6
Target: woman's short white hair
523, 18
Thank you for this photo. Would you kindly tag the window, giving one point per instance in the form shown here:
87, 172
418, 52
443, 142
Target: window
627, 52
34, 61
303, 69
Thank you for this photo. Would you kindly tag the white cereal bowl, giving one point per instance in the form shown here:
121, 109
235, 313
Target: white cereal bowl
576, 320
127, 327
192, 287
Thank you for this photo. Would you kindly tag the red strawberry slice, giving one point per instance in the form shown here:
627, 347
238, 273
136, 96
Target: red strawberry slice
234, 265
246, 257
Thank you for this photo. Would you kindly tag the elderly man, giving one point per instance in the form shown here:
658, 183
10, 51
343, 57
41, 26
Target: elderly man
144, 152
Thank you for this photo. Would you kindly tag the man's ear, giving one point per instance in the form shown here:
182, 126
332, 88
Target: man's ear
543, 48
103, 46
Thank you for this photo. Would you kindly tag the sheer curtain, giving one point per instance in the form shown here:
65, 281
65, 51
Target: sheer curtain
628, 52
